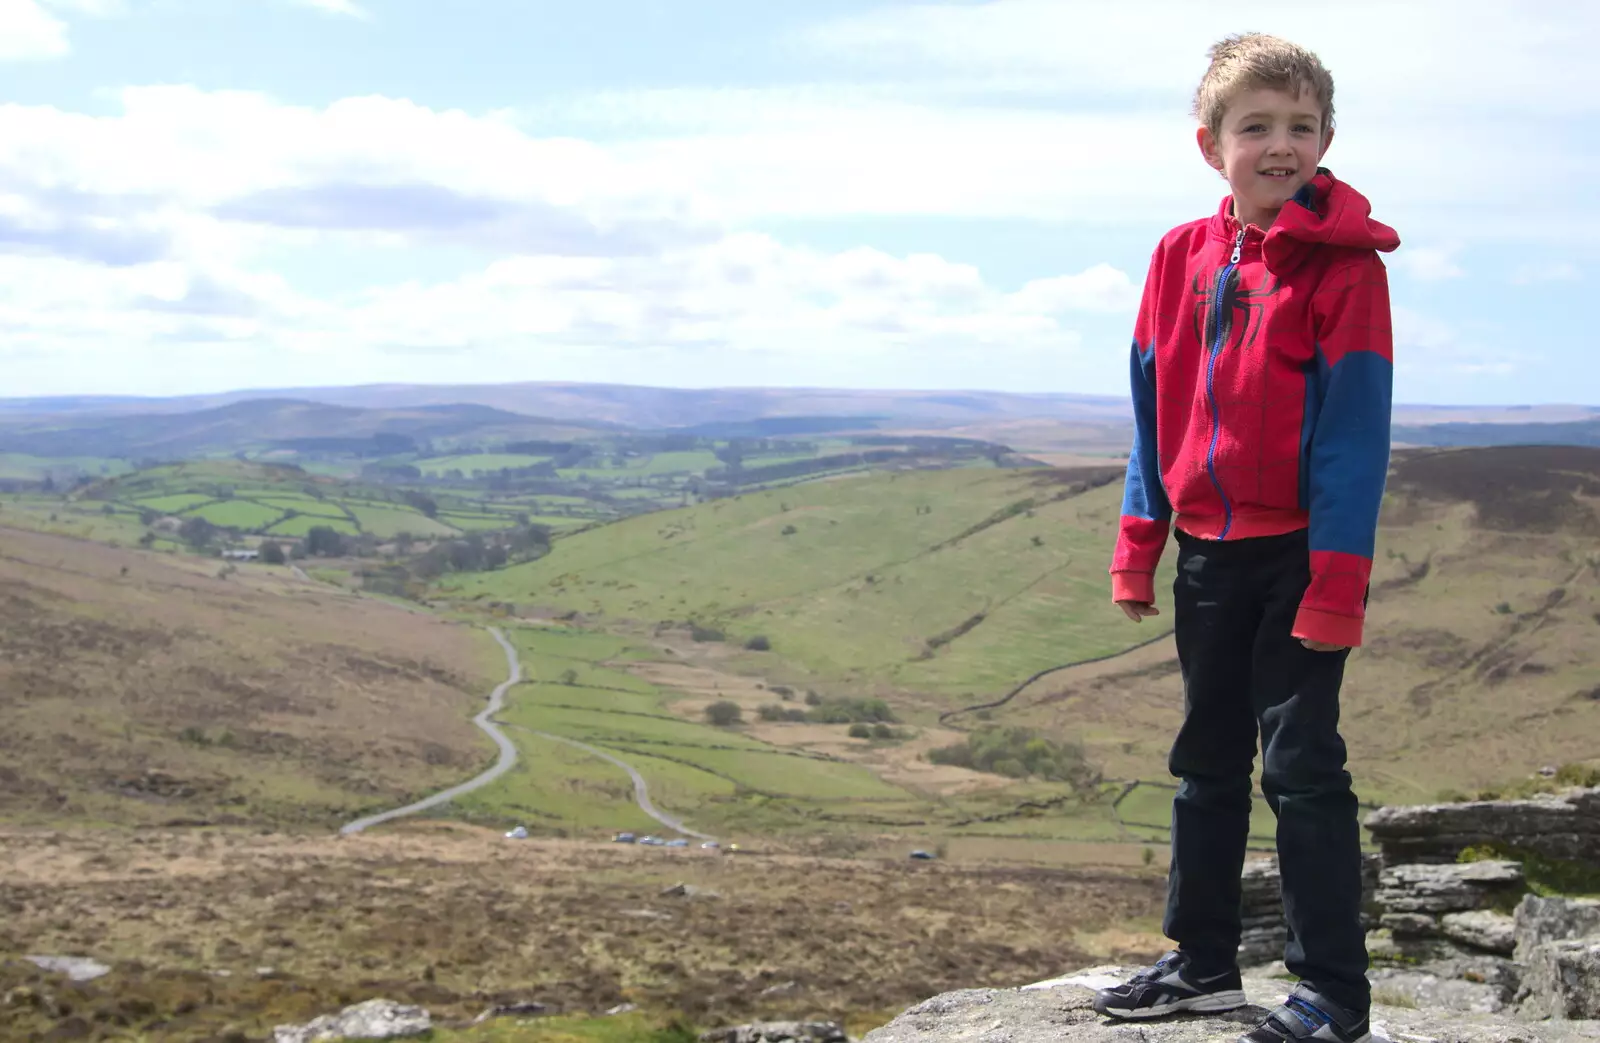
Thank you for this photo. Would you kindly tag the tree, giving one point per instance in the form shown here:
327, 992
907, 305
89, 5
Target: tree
272, 553
197, 532
759, 643
724, 713
324, 542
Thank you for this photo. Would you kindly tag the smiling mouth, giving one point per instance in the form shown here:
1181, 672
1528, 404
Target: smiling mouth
1281, 173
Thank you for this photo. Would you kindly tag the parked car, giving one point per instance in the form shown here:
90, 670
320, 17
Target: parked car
710, 845
678, 842
652, 841
923, 856
520, 833
622, 838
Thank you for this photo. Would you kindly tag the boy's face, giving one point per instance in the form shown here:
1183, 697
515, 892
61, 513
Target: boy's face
1269, 146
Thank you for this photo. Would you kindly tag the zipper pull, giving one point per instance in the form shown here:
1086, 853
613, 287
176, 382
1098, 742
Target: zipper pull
1238, 244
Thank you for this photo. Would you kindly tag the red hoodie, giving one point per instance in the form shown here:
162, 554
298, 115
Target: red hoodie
1262, 368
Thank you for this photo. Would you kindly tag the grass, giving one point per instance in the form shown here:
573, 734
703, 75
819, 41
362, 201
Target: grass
945, 589
237, 514
456, 919
26, 467
305, 505
854, 578
291, 711
435, 467
389, 521
302, 524
173, 503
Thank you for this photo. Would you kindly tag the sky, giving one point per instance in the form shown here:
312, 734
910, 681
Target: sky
202, 195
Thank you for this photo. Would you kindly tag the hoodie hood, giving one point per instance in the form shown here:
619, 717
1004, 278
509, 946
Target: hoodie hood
1325, 211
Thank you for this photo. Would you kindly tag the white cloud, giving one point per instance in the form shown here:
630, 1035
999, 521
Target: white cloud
1427, 263
1157, 48
156, 223
29, 32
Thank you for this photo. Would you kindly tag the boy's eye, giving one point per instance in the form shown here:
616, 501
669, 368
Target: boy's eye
1304, 128
1255, 128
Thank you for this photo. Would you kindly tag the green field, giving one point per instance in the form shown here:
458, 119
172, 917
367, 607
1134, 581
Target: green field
467, 463
392, 519
304, 523
243, 515
304, 505
175, 503
870, 578
24, 467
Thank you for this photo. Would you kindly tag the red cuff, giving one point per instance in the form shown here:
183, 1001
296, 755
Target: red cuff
1133, 586
1329, 627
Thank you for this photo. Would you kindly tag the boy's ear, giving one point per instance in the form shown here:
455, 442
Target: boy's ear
1327, 139
1209, 148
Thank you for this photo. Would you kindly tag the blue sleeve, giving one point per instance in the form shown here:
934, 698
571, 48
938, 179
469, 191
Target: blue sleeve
1143, 495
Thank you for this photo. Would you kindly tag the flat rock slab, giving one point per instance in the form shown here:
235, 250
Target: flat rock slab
1061, 1011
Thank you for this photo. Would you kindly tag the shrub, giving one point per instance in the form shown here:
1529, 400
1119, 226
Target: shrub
861, 731
272, 553
789, 530
724, 713
812, 698
702, 633
851, 711
771, 712
1020, 753
882, 731
759, 643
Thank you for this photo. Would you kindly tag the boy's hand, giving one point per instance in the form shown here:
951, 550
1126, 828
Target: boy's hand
1322, 646
1137, 610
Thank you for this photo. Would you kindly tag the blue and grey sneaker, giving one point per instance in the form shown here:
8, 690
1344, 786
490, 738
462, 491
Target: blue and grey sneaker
1168, 988
1306, 1016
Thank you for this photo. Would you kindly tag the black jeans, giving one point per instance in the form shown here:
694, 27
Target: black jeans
1234, 605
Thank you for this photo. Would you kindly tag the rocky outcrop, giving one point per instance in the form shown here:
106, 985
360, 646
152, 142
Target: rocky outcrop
1542, 920
778, 1032
1061, 1011
374, 1019
1265, 932
1562, 980
1563, 826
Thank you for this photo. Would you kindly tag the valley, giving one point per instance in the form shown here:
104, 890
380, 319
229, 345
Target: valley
825, 675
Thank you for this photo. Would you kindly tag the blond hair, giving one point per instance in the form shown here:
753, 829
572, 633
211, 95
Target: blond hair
1256, 61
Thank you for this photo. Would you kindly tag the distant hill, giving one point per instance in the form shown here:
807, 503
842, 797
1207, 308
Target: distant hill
1571, 432
264, 424
120, 426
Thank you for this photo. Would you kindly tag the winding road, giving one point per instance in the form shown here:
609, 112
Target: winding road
508, 757
484, 720
641, 790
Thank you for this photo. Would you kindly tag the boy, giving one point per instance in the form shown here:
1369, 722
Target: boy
1261, 375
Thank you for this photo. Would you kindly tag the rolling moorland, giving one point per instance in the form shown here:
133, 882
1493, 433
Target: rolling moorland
917, 657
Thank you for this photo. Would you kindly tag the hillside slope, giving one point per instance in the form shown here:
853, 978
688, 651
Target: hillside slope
140, 688
947, 589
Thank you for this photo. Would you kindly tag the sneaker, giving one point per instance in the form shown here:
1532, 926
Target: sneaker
1305, 1016
1170, 987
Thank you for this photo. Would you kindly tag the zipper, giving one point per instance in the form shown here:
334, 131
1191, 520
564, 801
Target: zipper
1219, 331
